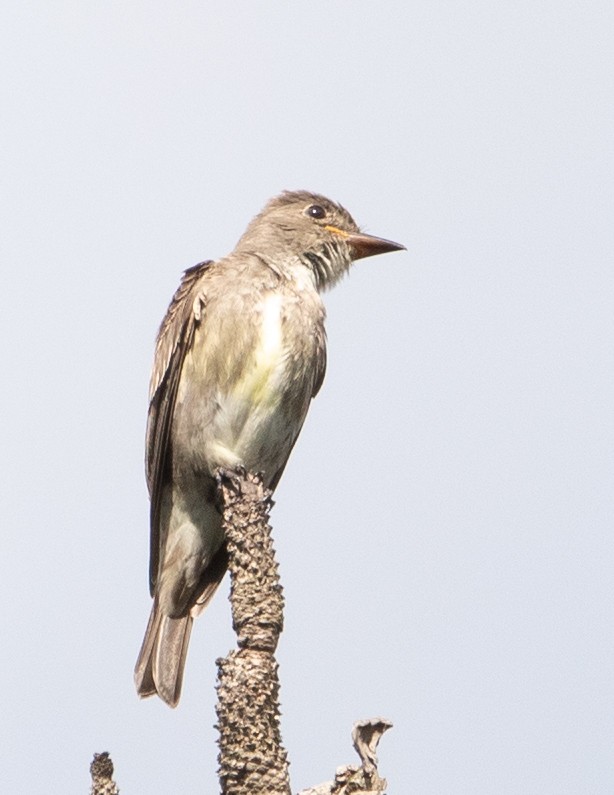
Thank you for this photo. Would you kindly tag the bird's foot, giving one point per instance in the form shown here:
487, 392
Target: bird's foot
231, 476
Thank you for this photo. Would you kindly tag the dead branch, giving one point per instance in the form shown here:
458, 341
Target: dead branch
252, 759
101, 771
363, 780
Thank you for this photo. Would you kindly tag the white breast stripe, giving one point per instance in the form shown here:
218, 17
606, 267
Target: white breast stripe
270, 339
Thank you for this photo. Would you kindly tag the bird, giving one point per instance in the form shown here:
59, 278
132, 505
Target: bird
239, 356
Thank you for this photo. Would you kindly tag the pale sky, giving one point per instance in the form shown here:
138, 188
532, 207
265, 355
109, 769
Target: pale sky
444, 526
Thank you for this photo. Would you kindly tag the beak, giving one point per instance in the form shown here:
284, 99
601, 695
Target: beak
363, 245
367, 245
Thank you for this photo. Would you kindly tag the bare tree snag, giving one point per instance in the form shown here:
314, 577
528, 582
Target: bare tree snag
363, 780
101, 771
252, 759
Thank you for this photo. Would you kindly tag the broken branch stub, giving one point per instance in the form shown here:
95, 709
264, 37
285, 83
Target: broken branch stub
363, 780
101, 770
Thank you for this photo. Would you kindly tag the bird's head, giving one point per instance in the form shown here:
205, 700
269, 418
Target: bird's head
299, 228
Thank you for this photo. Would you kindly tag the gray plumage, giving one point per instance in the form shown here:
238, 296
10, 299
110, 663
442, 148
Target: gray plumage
239, 356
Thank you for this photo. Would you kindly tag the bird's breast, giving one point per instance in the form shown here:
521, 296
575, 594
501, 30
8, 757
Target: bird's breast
248, 381
262, 377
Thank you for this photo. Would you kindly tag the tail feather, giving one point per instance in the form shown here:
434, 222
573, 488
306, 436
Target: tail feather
170, 655
143, 670
159, 668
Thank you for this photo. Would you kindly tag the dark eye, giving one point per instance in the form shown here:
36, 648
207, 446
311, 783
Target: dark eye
315, 211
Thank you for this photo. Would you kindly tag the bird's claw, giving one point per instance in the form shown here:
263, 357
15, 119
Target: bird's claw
225, 475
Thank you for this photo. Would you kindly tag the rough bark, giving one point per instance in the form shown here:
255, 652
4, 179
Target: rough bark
252, 759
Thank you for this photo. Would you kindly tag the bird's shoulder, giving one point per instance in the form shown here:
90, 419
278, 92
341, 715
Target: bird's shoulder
177, 321
241, 284
204, 288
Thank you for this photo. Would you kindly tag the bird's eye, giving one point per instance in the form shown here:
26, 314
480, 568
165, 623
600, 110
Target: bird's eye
315, 211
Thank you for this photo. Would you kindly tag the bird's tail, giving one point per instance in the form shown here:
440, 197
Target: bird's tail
159, 668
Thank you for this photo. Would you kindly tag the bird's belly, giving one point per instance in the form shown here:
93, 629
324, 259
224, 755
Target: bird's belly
257, 436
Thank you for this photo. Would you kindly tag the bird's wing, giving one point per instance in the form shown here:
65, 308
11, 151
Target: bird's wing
321, 364
174, 340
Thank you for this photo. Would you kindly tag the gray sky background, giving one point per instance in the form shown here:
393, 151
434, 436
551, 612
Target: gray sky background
444, 527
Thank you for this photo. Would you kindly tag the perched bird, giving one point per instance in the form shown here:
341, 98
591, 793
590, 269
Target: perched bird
239, 356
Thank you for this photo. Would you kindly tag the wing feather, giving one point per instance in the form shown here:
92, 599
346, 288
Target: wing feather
174, 340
